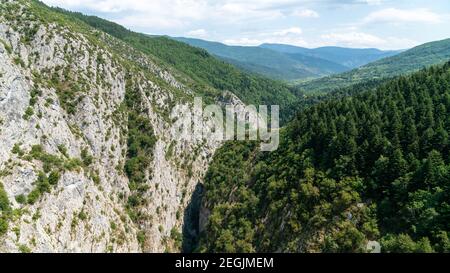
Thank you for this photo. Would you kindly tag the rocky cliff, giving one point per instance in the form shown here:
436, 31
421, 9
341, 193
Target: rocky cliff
87, 160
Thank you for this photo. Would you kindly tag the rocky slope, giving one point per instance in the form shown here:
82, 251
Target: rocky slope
73, 105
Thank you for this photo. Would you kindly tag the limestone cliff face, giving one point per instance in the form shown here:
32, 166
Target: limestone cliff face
64, 140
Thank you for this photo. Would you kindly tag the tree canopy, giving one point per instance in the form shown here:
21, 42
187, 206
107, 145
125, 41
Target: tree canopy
374, 166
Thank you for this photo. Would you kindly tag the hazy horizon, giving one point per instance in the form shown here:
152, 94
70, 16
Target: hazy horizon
259, 45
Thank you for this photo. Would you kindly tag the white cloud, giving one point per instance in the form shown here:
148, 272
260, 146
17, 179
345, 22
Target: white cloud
154, 15
284, 36
178, 8
245, 22
352, 39
146, 21
198, 33
305, 13
364, 40
165, 14
393, 15
275, 40
289, 31
372, 2
235, 11
243, 42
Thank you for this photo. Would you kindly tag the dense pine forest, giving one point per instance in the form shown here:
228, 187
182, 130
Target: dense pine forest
372, 167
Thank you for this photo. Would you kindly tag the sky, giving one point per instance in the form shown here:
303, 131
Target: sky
383, 24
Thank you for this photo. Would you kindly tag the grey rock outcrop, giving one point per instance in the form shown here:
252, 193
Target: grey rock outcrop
86, 210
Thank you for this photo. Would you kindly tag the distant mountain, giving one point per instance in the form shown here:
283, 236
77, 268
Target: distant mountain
348, 57
268, 62
326, 67
209, 75
406, 62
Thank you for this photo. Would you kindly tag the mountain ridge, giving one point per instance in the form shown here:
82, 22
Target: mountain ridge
349, 57
261, 59
199, 65
409, 61
294, 64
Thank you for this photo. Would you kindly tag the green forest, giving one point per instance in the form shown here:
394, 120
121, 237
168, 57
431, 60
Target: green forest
210, 76
406, 62
372, 167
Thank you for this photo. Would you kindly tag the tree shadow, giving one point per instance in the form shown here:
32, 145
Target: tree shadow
191, 220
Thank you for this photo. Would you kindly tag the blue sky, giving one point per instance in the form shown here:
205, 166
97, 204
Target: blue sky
384, 24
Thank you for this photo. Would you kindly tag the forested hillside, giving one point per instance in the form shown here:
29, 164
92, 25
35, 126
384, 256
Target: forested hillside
211, 76
406, 62
373, 167
268, 62
348, 57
